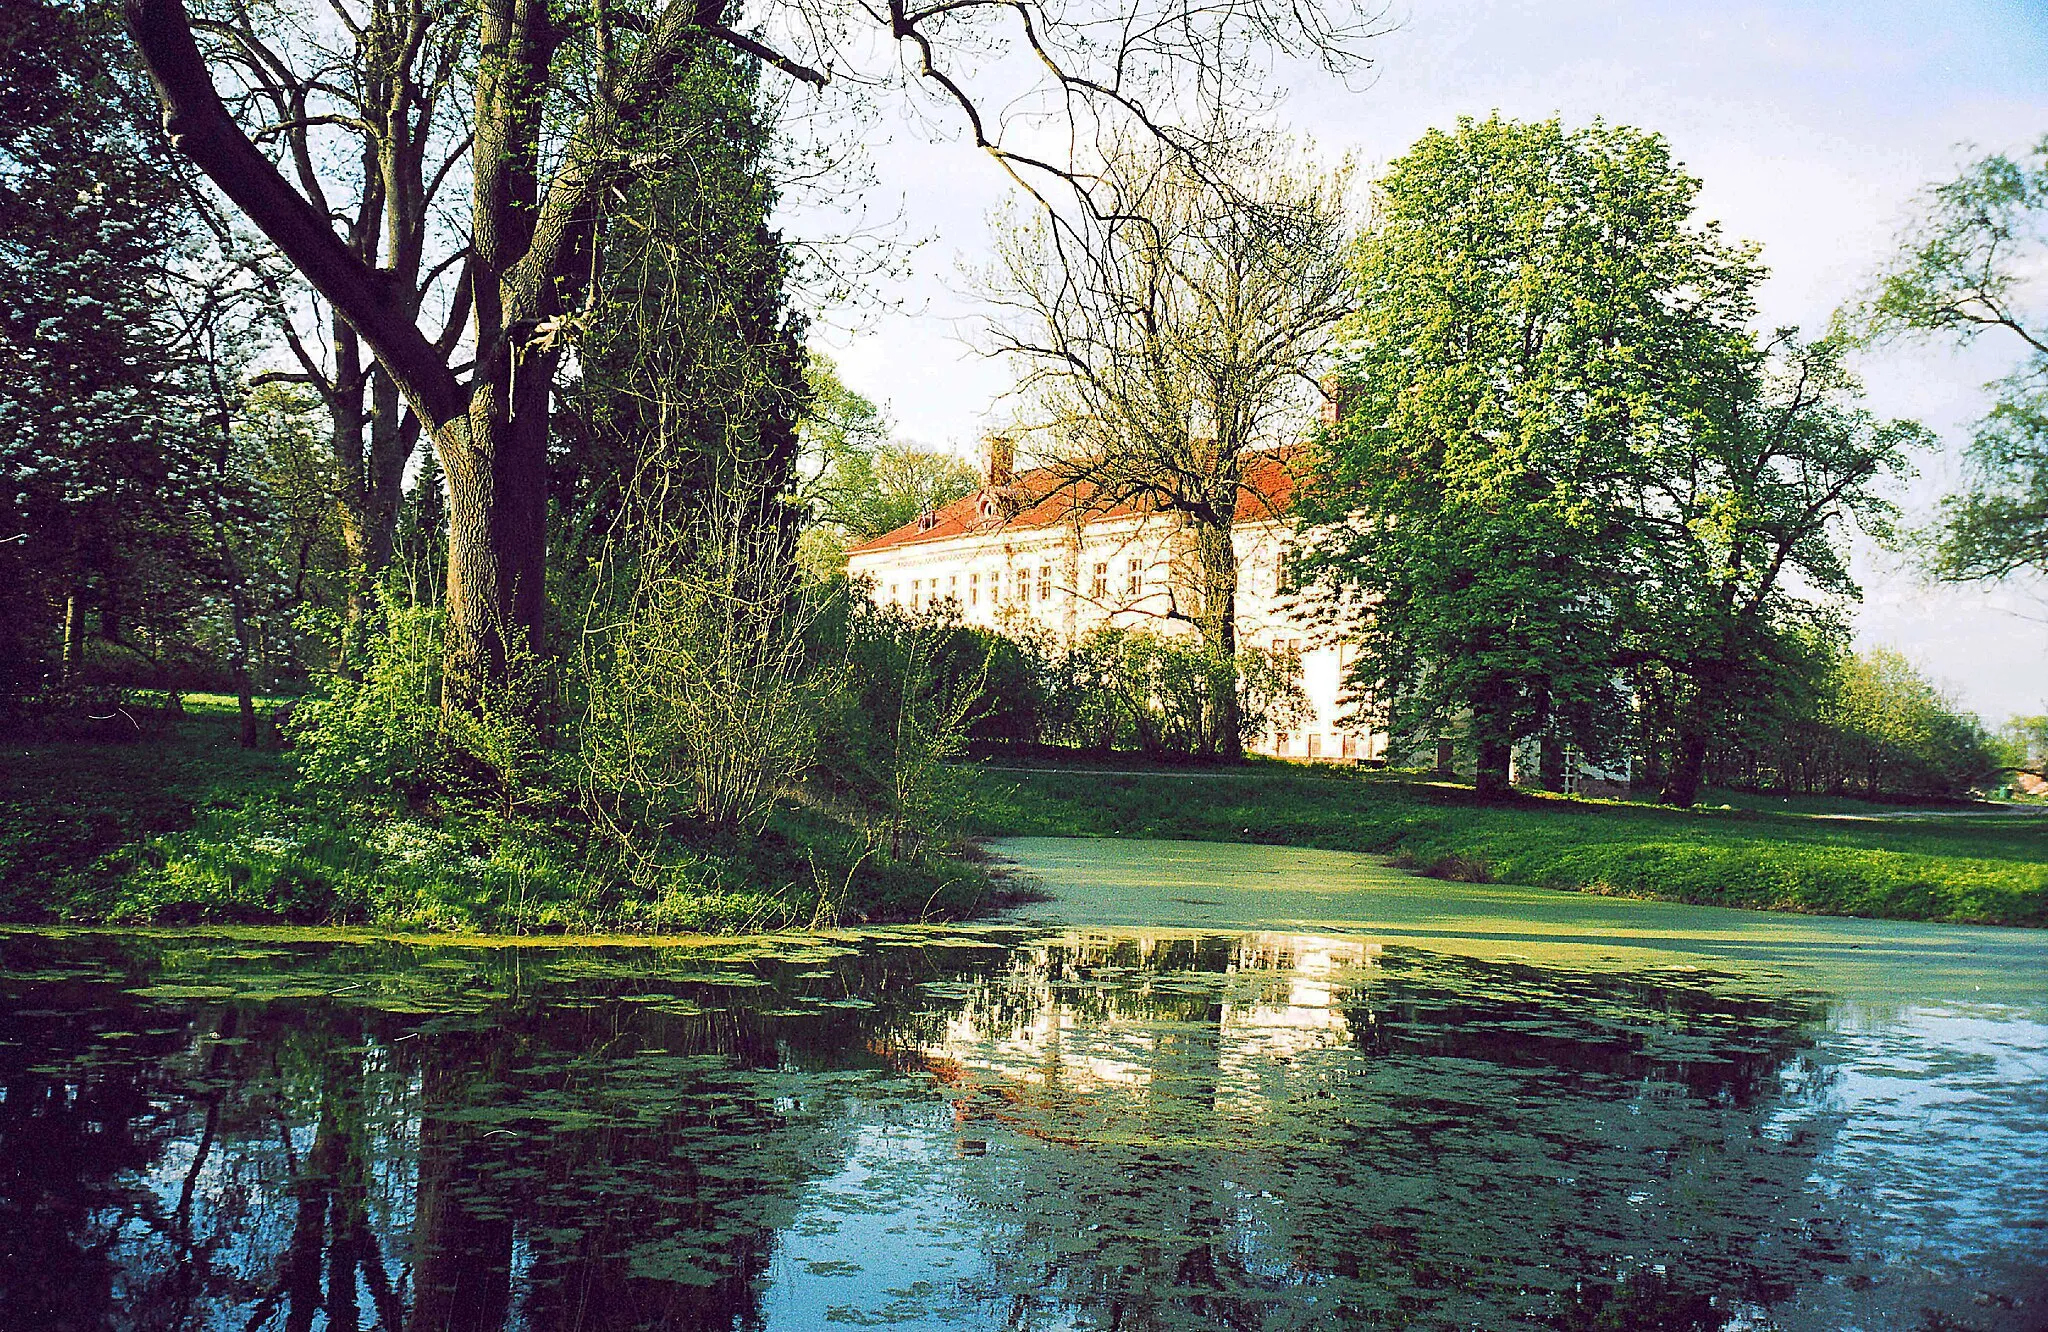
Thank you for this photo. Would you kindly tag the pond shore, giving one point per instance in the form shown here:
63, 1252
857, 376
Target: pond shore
1812, 856
79, 823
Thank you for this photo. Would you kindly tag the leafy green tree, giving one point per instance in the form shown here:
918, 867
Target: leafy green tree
97, 457
1739, 519
867, 494
861, 483
2021, 745
421, 549
1968, 264
1900, 733
1536, 307
691, 356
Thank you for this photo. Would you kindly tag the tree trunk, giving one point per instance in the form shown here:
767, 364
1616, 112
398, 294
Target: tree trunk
74, 635
1550, 763
496, 465
1491, 779
1688, 760
1493, 740
1215, 615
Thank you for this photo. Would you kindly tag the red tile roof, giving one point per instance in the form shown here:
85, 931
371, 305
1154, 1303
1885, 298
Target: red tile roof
1042, 500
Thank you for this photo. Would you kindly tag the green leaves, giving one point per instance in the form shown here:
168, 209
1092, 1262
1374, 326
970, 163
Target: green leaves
1566, 461
1537, 306
1965, 266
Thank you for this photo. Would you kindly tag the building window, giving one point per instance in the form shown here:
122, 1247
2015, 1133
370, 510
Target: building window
1044, 582
1134, 579
974, 589
1315, 745
1024, 587
995, 590
892, 592
1101, 587
1280, 743
953, 587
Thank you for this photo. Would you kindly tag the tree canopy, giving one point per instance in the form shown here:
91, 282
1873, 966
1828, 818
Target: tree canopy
1969, 263
1564, 465
1536, 306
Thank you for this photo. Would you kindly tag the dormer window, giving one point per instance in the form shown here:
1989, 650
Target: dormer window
988, 506
927, 520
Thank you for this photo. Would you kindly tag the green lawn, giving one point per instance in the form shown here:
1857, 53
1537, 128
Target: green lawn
64, 806
1952, 867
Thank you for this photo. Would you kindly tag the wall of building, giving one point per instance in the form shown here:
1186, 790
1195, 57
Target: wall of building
1117, 573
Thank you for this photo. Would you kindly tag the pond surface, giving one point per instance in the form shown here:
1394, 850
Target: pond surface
1336, 1097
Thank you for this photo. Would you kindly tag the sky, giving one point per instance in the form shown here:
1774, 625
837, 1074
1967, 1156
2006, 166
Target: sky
1812, 125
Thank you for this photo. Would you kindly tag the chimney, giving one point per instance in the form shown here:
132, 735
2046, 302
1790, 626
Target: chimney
998, 461
1336, 397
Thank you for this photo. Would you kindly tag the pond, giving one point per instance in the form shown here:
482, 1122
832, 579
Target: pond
1331, 1096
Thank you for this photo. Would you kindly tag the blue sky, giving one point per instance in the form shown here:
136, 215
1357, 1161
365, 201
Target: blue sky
1812, 126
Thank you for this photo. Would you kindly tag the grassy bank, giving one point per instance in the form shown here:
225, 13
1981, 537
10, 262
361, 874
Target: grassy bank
187, 828
1951, 867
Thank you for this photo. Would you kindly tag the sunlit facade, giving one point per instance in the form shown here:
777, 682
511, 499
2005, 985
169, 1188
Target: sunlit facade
1028, 552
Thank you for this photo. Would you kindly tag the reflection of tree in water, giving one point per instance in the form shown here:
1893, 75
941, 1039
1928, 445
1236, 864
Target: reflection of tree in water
1393, 1138
544, 1151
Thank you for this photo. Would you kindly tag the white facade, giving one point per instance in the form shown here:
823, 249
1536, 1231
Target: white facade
1069, 578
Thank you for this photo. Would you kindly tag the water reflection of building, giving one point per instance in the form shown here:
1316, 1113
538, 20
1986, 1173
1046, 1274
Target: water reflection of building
1088, 1015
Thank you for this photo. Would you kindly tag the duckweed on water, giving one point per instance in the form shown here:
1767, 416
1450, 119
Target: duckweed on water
1075, 1127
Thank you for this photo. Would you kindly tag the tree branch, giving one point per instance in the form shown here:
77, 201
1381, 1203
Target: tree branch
200, 126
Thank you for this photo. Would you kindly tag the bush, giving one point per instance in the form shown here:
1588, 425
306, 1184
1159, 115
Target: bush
1136, 690
700, 692
380, 733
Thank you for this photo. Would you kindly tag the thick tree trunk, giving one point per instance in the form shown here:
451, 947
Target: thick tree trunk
1493, 740
496, 465
1491, 779
1688, 761
525, 257
1550, 763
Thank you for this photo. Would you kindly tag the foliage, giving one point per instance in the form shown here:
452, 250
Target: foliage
857, 483
865, 494
420, 548
1739, 562
1967, 869
1968, 263
1535, 305
2021, 745
380, 733
183, 826
691, 362
1869, 724
1134, 689
915, 686
97, 449
1565, 466
700, 696
1999, 526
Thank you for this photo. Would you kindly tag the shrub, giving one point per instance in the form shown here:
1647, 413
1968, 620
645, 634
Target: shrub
700, 696
380, 733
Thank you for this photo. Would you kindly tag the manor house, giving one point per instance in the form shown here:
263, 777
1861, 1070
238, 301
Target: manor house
1030, 549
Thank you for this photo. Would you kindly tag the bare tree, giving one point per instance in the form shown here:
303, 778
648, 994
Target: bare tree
558, 96
1169, 338
358, 104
